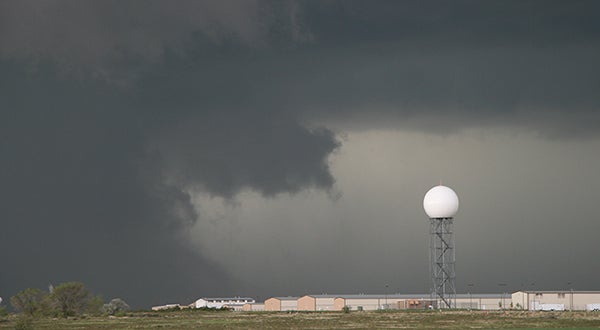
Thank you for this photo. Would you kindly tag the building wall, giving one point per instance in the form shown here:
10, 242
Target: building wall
521, 299
324, 304
554, 298
201, 303
550, 298
415, 304
281, 305
307, 303
492, 303
571, 300
234, 303
391, 303
253, 307
580, 300
163, 307
289, 305
338, 304
236, 308
273, 305
367, 304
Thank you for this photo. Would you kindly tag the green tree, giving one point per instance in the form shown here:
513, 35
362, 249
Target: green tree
71, 298
95, 305
31, 302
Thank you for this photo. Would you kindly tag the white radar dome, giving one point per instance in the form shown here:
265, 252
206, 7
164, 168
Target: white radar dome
440, 202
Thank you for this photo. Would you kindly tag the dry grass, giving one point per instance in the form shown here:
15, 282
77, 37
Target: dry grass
324, 320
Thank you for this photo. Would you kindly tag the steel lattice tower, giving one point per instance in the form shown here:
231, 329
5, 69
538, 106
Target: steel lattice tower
441, 204
442, 260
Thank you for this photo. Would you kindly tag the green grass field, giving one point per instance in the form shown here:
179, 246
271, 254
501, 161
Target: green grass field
319, 320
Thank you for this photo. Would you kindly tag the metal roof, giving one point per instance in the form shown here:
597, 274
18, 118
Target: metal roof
225, 298
285, 298
407, 296
423, 296
560, 291
482, 295
322, 295
383, 296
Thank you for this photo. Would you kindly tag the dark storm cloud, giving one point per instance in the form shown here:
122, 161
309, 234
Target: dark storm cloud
454, 24
81, 199
93, 186
502, 62
224, 96
92, 174
265, 154
114, 39
453, 65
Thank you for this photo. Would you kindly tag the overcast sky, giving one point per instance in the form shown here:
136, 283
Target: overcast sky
160, 152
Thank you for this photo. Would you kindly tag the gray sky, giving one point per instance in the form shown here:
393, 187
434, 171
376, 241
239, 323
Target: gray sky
160, 152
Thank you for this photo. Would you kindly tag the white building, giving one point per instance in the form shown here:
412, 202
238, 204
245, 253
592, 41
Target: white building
368, 302
236, 303
557, 300
484, 301
166, 307
528, 300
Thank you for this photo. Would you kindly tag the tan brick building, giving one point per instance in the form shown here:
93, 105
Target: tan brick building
281, 304
321, 302
255, 307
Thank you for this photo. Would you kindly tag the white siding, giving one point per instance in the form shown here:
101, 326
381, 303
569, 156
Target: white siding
289, 305
324, 304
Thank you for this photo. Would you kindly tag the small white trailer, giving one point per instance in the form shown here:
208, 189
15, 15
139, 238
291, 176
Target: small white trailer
548, 307
592, 307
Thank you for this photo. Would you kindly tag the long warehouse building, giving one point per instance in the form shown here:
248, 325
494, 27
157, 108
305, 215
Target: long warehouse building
527, 300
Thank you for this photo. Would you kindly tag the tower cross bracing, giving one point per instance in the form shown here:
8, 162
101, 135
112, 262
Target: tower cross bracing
442, 262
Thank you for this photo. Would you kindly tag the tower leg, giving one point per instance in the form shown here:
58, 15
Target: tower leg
442, 260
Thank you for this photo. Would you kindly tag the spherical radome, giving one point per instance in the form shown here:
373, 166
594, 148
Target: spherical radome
440, 202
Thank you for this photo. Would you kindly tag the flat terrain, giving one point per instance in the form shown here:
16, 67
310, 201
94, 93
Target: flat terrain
321, 320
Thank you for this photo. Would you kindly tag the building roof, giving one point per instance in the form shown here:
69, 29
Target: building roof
225, 298
322, 295
284, 298
382, 296
407, 296
559, 291
482, 295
